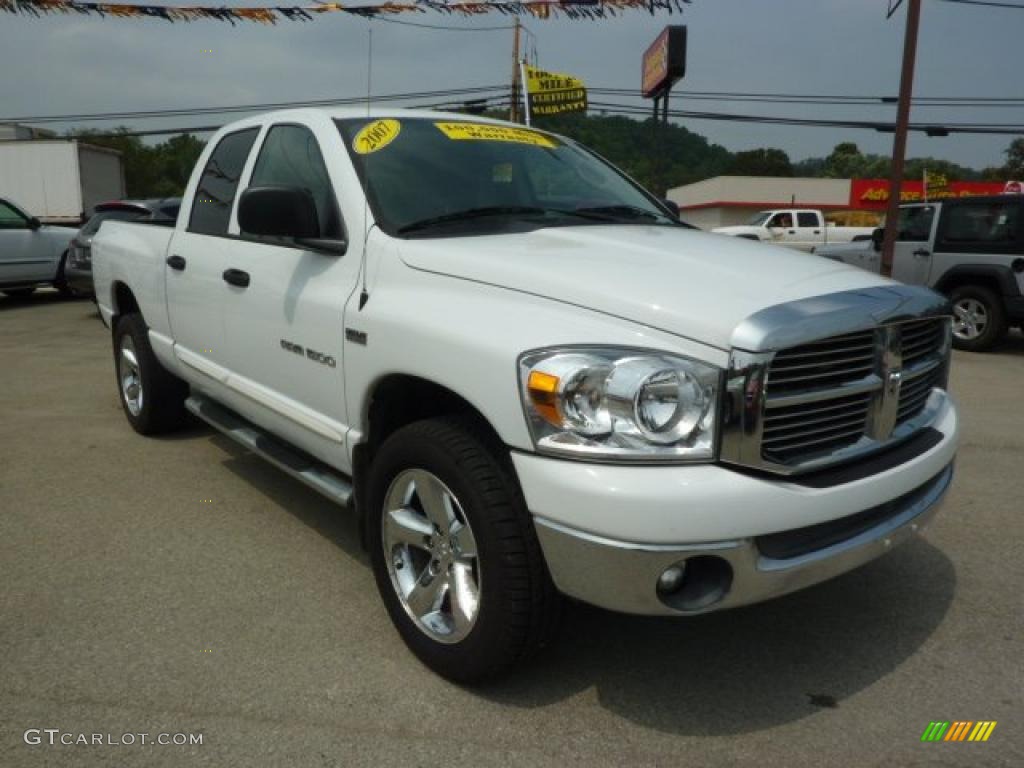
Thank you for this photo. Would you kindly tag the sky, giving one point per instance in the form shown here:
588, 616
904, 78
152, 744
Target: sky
67, 64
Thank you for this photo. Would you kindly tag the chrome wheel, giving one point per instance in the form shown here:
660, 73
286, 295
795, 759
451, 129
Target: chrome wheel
128, 373
970, 319
431, 555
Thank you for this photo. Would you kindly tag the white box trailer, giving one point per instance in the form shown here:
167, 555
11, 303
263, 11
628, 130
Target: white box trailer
57, 180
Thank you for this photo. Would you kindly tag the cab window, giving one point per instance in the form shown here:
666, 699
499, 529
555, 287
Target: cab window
807, 219
211, 207
984, 223
916, 223
11, 218
291, 157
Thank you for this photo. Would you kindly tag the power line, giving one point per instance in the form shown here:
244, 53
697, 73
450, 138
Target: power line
934, 129
247, 107
440, 27
779, 98
989, 3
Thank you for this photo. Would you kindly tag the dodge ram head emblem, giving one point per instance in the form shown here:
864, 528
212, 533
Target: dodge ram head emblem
892, 383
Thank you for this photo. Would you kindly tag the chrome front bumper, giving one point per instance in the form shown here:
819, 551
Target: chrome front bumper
624, 576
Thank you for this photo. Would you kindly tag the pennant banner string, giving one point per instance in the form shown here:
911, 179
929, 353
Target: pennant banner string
540, 9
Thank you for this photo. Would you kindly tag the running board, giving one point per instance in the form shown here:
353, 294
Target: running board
302, 467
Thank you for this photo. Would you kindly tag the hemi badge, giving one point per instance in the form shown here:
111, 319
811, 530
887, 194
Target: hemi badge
358, 337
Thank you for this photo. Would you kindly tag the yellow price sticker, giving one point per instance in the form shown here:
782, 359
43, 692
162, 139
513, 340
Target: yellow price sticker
375, 136
483, 132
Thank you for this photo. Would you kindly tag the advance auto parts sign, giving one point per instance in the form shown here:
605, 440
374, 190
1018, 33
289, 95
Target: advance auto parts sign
551, 93
873, 194
484, 132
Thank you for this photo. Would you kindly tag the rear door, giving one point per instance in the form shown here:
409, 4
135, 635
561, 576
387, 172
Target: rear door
912, 255
196, 262
285, 329
979, 232
808, 231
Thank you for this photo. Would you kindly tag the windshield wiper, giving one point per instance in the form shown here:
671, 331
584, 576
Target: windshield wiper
621, 211
473, 213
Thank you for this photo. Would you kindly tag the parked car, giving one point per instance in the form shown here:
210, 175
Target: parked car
78, 271
526, 376
971, 249
799, 228
31, 254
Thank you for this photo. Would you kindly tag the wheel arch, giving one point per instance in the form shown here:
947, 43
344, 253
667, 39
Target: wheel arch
396, 400
122, 300
997, 278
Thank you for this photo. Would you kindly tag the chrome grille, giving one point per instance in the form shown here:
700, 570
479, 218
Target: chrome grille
849, 392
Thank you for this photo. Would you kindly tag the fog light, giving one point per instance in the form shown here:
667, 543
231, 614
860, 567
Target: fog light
671, 579
695, 584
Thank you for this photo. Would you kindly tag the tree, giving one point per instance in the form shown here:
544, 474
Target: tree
160, 170
761, 162
845, 162
1014, 168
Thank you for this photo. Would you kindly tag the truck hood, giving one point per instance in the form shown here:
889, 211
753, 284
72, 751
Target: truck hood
739, 229
685, 282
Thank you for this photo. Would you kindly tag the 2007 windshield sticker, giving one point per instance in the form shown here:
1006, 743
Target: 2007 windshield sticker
483, 132
374, 136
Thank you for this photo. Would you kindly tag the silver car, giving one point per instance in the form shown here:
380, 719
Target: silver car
31, 254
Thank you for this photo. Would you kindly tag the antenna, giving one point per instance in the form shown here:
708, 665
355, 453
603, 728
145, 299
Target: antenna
364, 295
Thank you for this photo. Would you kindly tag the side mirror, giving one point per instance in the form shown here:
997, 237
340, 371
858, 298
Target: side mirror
278, 212
671, 205
877, 236
34, 223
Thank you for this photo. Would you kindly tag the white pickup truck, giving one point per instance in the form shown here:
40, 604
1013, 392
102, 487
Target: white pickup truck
525, 376
800, 228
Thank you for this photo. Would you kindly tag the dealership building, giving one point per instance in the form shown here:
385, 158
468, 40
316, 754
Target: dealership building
724, 201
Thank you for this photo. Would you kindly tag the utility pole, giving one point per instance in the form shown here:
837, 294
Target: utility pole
899, 143
513, 112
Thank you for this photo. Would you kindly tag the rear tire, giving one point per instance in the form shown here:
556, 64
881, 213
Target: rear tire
470, 595
61, 283
979, 318
153, 399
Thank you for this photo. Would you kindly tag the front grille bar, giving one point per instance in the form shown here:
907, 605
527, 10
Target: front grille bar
821, 401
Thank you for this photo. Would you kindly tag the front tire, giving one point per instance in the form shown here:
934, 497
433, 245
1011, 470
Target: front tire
152, 398
454, 551
979, 319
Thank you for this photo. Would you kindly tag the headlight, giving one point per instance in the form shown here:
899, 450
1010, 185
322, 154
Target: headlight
620, 404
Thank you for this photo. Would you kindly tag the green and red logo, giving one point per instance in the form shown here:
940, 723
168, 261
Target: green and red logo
958, 730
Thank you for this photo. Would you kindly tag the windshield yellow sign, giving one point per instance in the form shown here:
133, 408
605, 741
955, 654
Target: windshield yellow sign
554, 93
484, 132
375, 135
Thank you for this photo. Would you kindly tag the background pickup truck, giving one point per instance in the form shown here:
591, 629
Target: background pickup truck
799, 228
971, 249
31, 253
525, 376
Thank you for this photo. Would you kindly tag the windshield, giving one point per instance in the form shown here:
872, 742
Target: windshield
759, 219
428, 177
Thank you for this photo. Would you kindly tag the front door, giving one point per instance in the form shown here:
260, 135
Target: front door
912, 255
285, 329
24, 256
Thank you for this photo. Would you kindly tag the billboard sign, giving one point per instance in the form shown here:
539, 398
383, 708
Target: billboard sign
664, 62
552, 93
873, 194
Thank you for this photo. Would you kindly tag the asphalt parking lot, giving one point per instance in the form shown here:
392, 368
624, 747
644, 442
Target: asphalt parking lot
179, 585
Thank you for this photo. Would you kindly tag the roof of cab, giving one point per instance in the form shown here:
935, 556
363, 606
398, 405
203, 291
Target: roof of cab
337, 113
